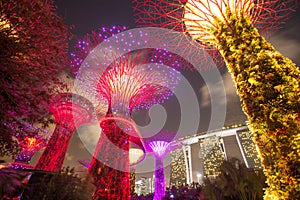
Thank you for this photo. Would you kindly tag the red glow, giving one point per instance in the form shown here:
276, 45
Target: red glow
110, 182
129, 85
31, 143
69, 111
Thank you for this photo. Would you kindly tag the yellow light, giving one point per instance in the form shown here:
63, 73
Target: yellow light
135, 155
200, 15
5, 25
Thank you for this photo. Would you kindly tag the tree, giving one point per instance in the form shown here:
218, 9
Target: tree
11, 182
236, 182
34, 44
65, 185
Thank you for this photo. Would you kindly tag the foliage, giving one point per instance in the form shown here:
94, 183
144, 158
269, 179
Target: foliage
269, 88
65, 185
11, 182
236, 182
33, 52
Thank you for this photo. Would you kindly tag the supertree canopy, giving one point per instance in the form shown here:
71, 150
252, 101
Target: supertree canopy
70, 111
34, 50
134, 80
266, 81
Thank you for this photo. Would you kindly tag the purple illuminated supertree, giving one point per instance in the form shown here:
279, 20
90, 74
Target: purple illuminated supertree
159, 146
159, 150
266, 81
124, 82
70, 111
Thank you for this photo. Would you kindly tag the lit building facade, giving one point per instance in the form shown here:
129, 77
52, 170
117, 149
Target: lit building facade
202, 154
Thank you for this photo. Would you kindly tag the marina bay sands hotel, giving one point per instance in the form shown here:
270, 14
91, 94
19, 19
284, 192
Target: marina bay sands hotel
201, 155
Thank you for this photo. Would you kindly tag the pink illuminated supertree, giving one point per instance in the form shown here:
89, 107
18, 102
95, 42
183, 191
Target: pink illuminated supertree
126, 87
70, 111
124, 83
266, 81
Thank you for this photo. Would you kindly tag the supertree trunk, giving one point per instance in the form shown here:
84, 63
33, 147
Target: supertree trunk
268, 85
70, 111
159, 187
53, 157
104, 168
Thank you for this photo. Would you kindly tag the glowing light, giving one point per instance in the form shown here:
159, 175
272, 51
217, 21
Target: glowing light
159, 148
200, 15
135, 155
31, 139
6, 25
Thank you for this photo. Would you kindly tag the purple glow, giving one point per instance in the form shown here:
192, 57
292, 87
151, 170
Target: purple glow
159, 149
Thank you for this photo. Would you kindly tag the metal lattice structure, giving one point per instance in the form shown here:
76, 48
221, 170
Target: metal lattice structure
70, 111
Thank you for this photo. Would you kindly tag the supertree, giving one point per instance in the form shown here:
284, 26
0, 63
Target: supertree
125, 82
34, 50
136, 155
70, 111
159, 150
266, 81
159, 145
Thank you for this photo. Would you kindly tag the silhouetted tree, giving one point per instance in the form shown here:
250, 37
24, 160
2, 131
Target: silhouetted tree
236, 182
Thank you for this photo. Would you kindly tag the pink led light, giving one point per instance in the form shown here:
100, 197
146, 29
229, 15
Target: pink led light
70, 111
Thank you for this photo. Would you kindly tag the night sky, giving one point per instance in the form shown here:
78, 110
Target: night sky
89, 15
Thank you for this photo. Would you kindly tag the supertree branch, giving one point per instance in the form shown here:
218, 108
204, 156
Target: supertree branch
131, 86
70, 111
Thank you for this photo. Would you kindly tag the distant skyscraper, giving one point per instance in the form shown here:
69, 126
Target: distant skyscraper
178, 168
249, 151
212, 153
